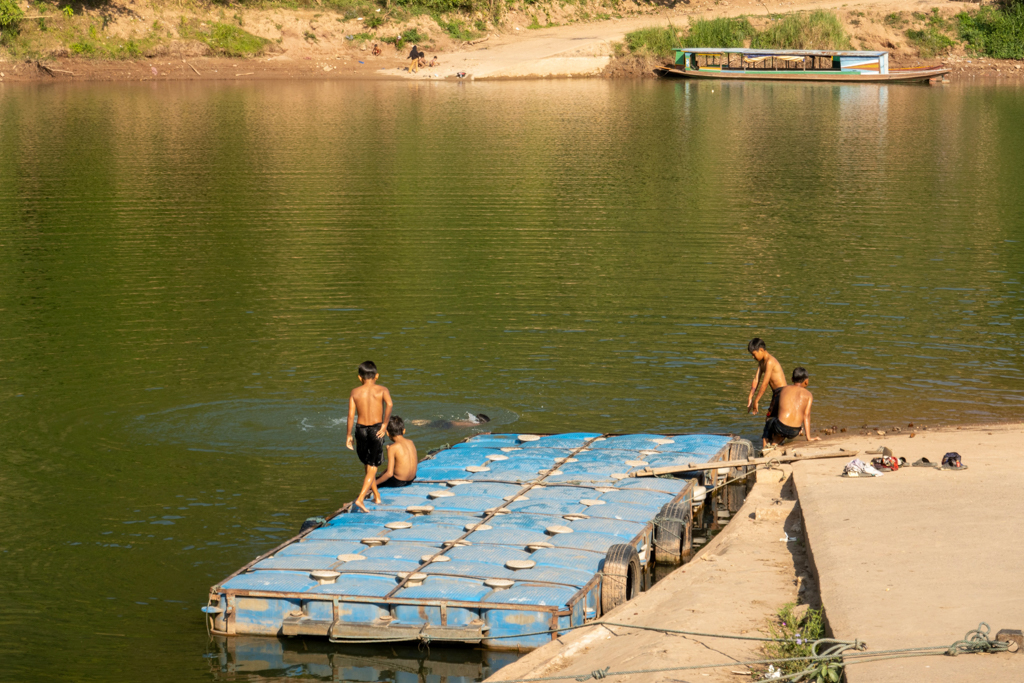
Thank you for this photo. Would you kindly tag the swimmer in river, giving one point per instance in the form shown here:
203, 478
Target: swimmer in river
373, 404
794, 407
401, 457
470, 421
770, 371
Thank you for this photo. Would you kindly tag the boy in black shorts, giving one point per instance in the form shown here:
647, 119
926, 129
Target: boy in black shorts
373, 404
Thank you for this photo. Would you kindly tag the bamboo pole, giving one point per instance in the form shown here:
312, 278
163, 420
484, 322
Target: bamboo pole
679, 469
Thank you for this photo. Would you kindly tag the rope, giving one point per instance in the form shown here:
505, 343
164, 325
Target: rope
575, 628
976, 640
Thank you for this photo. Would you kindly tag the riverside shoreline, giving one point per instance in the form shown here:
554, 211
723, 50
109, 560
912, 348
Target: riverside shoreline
580, 49
896, 561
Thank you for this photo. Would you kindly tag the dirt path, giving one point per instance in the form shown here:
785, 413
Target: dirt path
731, 586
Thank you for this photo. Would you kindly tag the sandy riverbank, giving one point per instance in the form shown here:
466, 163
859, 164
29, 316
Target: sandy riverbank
316, 45
913, 558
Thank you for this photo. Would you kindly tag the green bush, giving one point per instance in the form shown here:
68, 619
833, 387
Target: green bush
409, 35
994, 33
819, 30
929, 41
795, 638
10, 15
721, 32
85, 48
456, 28
654, 41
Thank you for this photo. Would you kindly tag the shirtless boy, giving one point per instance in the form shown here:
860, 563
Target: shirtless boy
401, 457
373, 403
794, 412
769, 370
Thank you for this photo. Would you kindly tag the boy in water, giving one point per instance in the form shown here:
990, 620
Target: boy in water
794, 407
373, 403
401, 457
470, 421
769, 370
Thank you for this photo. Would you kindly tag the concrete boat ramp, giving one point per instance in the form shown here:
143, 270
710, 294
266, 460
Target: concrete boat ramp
912, 559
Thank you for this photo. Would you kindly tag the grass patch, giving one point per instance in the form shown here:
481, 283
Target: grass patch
224, 39
796, 636
997, 33
929, 41
895, 20
819, 30
654, 41
721, 32
456, 28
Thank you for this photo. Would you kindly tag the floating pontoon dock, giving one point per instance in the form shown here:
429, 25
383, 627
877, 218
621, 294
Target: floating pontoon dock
502, 540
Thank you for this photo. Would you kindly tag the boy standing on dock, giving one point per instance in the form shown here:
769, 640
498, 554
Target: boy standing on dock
373, 404
769, 370
402, 458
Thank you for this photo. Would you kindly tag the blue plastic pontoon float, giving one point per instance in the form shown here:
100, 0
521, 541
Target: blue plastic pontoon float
502, 541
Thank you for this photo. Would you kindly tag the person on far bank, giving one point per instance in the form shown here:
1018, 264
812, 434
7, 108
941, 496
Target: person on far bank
769, 373
373, 404
402, 458
794, 413
414, 59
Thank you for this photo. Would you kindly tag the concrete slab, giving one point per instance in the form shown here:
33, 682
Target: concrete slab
732, 586
920, 556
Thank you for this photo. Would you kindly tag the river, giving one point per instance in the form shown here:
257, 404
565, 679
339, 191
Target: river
191, 272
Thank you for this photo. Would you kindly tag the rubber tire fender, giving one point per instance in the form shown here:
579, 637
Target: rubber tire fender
312, 523
673, 533
620, 579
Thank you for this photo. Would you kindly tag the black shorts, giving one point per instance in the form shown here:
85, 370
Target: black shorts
773, 427
394, 483
369, 447
773, 406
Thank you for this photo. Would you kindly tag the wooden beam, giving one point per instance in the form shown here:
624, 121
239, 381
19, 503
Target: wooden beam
680, 469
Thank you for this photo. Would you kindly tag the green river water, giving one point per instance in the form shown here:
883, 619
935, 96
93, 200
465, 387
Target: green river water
190, 273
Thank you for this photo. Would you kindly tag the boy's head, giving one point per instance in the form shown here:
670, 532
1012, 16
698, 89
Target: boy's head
367, 370
800, 376
757, 348
396, 427
483, 418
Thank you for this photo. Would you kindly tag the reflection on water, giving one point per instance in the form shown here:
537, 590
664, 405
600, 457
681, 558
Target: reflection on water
232, 659
190, 274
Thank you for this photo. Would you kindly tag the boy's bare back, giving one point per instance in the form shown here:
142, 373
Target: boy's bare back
369, 399
794, 405
403, 453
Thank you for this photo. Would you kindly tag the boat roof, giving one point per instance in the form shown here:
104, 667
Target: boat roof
806, 53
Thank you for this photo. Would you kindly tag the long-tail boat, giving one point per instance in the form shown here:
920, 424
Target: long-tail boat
794, 65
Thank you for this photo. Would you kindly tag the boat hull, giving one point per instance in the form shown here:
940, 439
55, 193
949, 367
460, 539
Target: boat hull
894, 75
